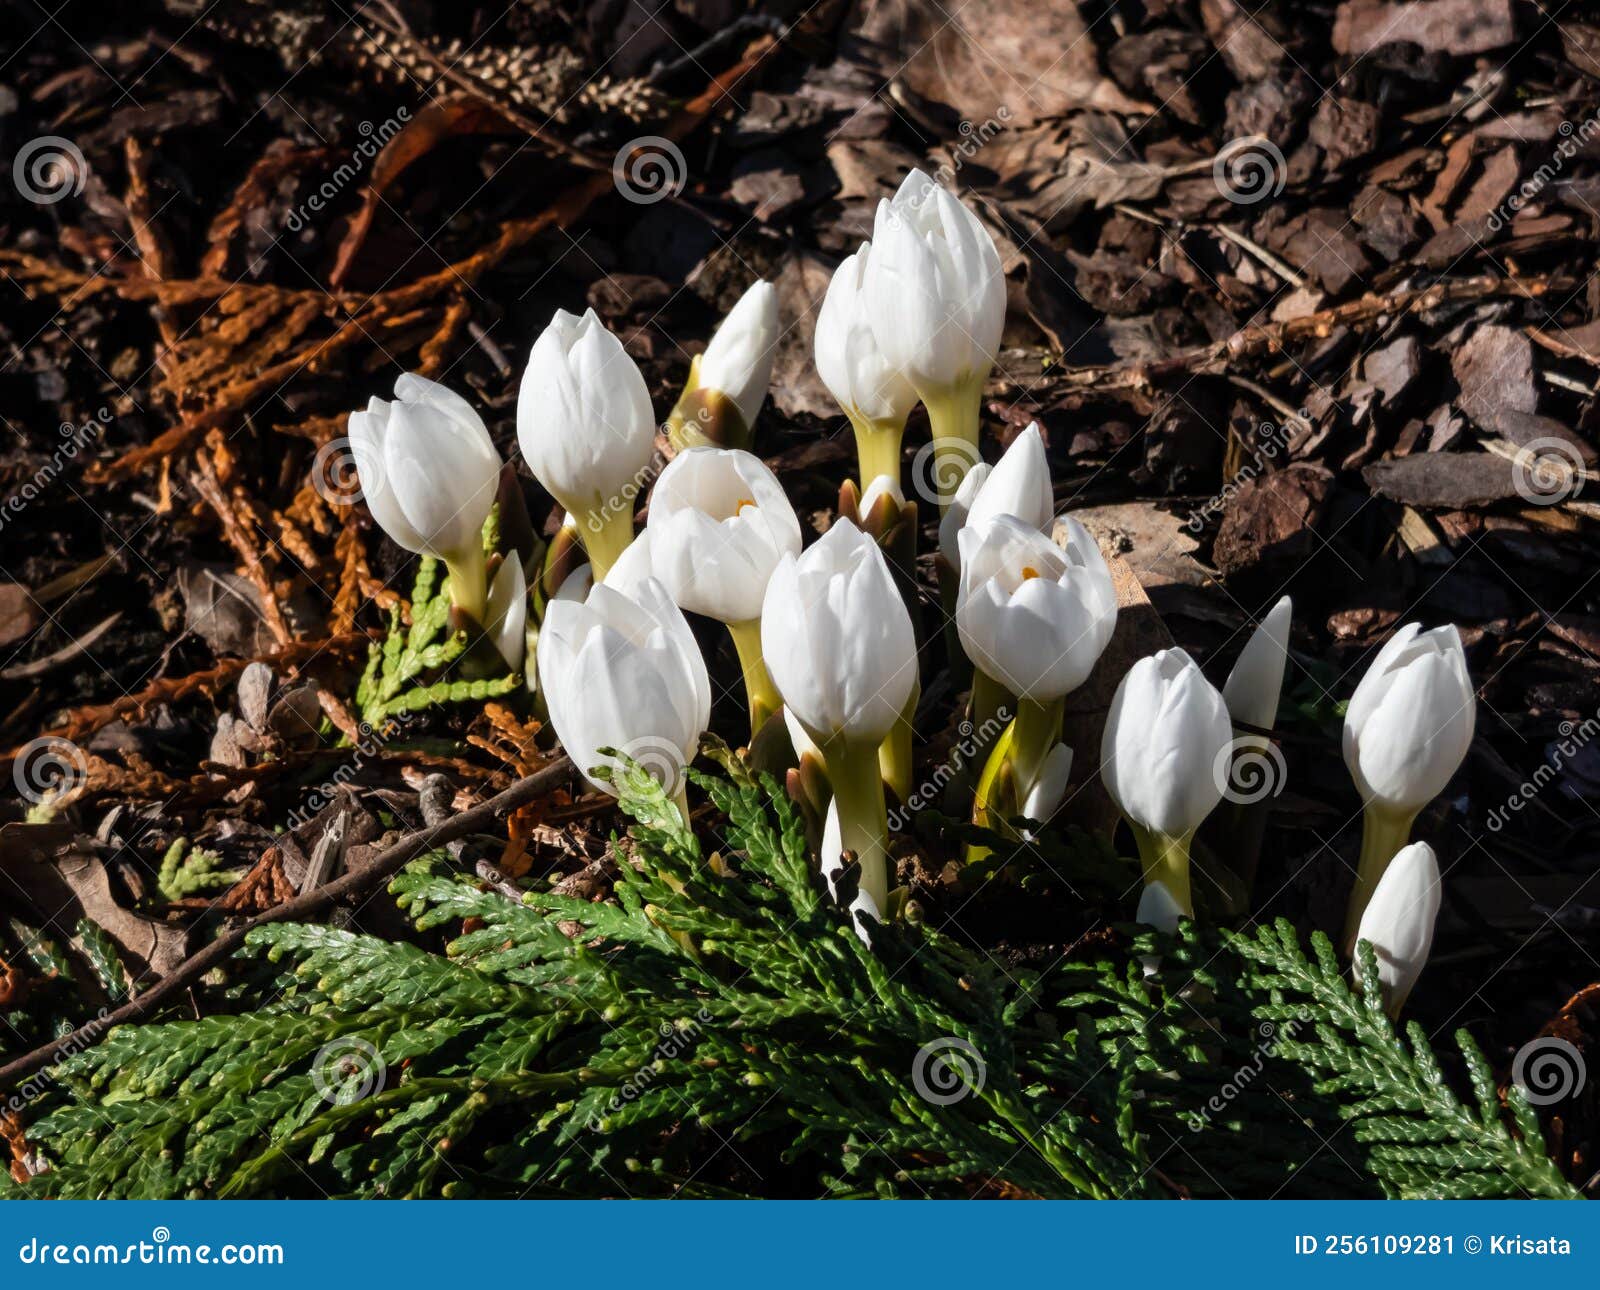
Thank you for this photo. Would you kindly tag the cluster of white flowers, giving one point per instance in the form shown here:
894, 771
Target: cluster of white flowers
823, 632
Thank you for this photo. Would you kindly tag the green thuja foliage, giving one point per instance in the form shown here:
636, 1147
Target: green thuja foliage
393, 682
721, 1027
192, 871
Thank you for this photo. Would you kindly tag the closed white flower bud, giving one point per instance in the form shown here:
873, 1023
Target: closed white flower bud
1166, 730
427, 467
1399, 921
583, 416
738, 361
1409, 723
837, 638
936, 296
508, 611
848, 358
624, 672
1256, 682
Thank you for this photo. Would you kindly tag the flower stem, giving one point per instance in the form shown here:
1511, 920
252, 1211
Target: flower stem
877, 448
863, 814
992, 705
761, 694
953, 417
469, 582
606, 530
1038, 731
1166, 860
1383, 833
894, 753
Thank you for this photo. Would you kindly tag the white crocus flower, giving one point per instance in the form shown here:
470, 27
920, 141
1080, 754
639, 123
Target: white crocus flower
1159, 910
738, 361
1406, 732
1034, 617
839, 646
633, 566
586, 429
1398, 922
1256, 682
624, 672
875, 397
1164, 734
719, 524
429, 472
936, 300
508, 611
1018, 484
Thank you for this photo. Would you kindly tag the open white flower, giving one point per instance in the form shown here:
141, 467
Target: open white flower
429, 472
624, 672
719, 524
1032, 615
586, 429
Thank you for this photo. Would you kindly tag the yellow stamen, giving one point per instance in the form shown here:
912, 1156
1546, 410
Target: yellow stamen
1028, 571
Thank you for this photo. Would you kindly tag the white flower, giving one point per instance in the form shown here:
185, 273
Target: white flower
936, 296
954, 518
1399, 921
837, 638
719, 524
848, 358
427, 467
1018, 484
738, 361
1256, 682
863, 909
633, 566
1409, 723
508, 611
1164, 734
1032, 615
625, 672
1158, 909
882, 486
1049, 785
583, 415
